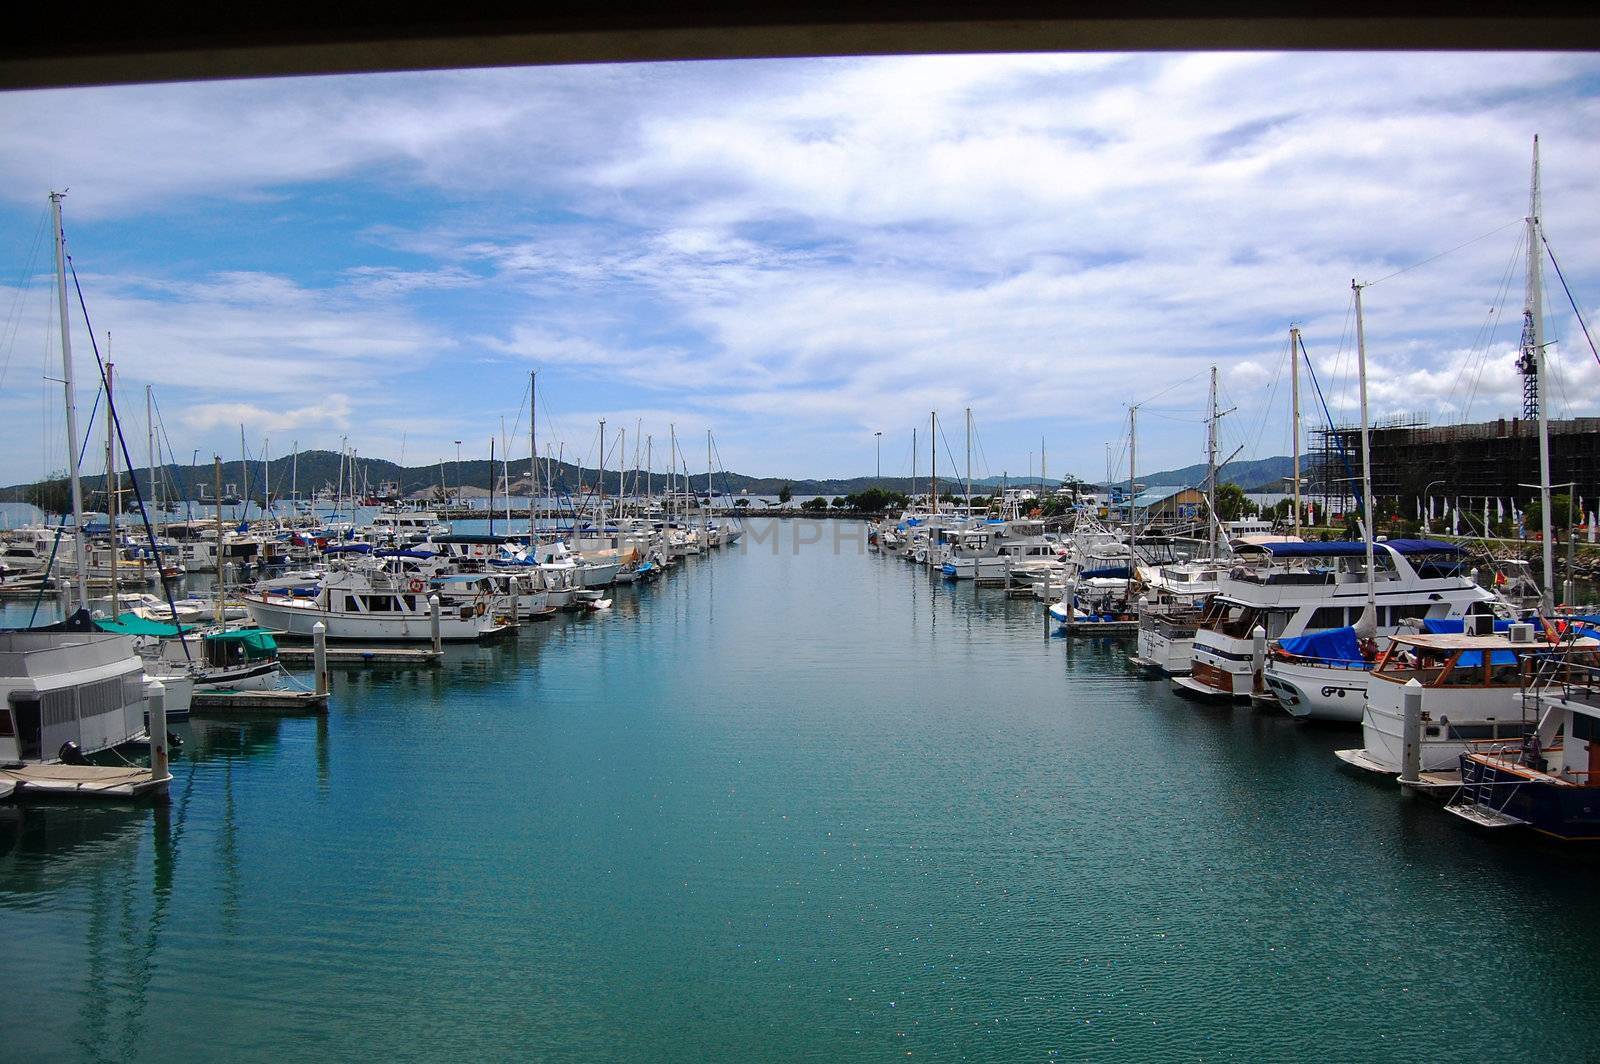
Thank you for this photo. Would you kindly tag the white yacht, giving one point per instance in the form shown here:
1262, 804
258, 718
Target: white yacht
370, 604
68, 694
995, 547
1472, 691
1312, 587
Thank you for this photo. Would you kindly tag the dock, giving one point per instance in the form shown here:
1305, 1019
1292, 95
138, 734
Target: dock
227, 703
80, 781
1102, 628
354, 655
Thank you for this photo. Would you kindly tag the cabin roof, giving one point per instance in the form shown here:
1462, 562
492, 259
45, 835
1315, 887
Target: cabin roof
1345, 548
1457, 641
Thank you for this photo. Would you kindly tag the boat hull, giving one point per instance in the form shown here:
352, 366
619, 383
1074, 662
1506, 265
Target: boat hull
1566, 812
1318, 692
297, 618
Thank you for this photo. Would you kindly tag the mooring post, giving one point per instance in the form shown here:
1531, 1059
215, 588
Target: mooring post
1411, 732
319, 655
433, 614
1258, 658
157, 699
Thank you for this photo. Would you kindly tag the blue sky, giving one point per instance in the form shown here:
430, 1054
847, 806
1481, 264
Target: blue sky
799, 253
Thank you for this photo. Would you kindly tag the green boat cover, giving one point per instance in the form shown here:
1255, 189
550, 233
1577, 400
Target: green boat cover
257, 642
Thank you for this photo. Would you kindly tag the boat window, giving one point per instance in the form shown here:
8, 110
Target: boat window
28, 727
1584, 727
1326, 617
1466, 671
352, 603
1504, 673
6, 728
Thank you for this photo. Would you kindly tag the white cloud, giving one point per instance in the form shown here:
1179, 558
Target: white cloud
823, 249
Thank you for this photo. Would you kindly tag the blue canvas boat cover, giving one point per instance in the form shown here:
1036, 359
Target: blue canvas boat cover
1110, 572
1336, 646
1455, 625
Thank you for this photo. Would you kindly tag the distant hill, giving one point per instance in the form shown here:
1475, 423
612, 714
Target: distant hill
313, 470
1262, 474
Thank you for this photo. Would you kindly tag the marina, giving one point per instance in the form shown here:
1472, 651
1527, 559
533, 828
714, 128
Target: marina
744, 834
393, 666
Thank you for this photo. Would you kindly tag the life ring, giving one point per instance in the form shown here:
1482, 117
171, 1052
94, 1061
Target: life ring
415, 586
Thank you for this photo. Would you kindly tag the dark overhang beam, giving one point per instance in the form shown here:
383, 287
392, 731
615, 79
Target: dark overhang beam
144, 43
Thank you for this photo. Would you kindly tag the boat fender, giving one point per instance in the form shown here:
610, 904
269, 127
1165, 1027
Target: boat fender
69, 754
415, 586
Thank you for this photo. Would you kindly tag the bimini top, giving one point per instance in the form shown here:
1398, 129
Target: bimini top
1346, 548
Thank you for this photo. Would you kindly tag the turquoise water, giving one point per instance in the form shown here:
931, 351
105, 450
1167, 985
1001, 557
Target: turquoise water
785, 805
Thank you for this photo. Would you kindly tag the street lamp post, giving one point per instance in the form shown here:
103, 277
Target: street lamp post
878, 436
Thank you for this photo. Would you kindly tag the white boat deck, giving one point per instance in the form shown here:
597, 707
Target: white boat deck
1361, 759
80, 781
1484, 817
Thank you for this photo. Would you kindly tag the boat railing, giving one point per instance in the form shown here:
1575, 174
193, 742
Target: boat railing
1351, 664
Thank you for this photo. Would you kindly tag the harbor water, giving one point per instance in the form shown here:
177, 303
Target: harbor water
796, 801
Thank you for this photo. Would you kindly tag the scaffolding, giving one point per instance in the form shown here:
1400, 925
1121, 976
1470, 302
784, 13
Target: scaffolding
1454, 464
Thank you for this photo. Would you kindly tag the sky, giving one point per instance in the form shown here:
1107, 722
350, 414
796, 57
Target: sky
798, 255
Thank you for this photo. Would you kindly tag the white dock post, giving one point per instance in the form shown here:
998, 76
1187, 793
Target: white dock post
433, 613
1411, 732
157, 698
1258, 658
319, 643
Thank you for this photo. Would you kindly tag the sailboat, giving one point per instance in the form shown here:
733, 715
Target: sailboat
68, 691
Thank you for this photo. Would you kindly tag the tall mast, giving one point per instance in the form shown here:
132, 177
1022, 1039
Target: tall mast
672, 468
491, 485
294, 477
150, 447
933, 448
1042, 477
266, 477
602, 503
244, 475
913, 460
216, 461
113, 481
533, 442
708, 478
80, 554
969, 461
1533, 349
1133, 444
1211, 467
505, 468
1369, 617
1294, 391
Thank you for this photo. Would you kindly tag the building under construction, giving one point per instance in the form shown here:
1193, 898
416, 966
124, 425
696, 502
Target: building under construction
1457, 464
